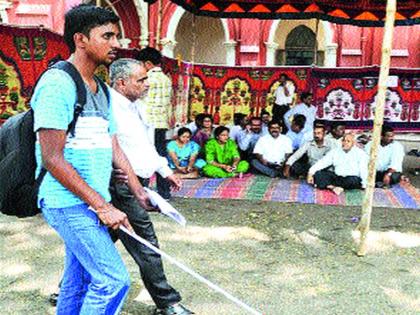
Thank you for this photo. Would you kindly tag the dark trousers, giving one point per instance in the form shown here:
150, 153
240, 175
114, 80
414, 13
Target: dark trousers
163, 186
278, 114
269, 170
324, 178
395, 177
300, 167
149, 262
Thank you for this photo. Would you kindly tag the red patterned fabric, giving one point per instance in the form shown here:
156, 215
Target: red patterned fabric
339, 94
356, 12
24, 53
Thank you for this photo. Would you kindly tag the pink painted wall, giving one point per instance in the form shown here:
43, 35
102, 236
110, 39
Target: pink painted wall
356, 46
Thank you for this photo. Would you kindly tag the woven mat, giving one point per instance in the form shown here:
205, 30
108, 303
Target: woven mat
256, 187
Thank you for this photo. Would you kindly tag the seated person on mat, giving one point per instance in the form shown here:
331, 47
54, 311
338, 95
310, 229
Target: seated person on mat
350, 168
248, 137
297, 132
271, 151
308, 154
204, 131
222, 156
182, 155
338, 128
390, 159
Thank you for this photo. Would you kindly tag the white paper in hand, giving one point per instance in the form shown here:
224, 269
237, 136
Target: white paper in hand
165, 207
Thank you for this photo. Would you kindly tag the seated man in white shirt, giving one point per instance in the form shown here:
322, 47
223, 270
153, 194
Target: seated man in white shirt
129, 82
271, 151
350, 168
304, 108
390, 159
338, 128
248, 137
308, 154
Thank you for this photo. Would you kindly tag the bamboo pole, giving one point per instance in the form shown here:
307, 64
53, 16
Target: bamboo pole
191, 72
364, 224
159, 25
316, 42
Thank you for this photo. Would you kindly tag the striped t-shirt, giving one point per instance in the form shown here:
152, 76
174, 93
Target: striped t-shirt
89, 151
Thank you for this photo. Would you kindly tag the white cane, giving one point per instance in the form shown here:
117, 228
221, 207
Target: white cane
191, 272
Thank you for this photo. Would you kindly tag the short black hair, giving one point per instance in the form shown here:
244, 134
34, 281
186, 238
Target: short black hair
82, 19
299, 120
219, 130
150, 54
336, 124
264, 112
385, 129
237, 118
304, 95
274, 122
183, 130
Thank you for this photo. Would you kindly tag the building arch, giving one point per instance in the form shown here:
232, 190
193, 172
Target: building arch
171, 46
325, 39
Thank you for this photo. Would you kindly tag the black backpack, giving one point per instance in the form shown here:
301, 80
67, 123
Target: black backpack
18, 185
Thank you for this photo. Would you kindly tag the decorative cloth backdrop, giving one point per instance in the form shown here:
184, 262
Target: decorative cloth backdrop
340, 94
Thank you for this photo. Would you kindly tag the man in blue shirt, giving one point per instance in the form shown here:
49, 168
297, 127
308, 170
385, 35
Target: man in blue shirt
74, 195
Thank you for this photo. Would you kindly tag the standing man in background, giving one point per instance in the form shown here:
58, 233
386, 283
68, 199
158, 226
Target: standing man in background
157, 110
283, 99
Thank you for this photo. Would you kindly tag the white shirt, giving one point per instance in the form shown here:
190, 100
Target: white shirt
301, 109
351, 163
133, 138
192, 126
336, 143
389, 156
234, 131
273, 150
281, 98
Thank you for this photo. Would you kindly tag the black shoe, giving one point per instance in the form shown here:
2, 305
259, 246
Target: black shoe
53, 298
176, 309
414, 152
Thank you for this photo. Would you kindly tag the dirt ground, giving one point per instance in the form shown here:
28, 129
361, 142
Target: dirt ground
278, 258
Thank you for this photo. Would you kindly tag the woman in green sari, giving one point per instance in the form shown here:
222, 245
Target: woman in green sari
222, 156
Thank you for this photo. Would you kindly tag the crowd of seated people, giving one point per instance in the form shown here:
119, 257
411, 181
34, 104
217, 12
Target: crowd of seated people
327, 159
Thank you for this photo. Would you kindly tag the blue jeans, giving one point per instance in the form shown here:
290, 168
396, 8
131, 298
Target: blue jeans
95, 280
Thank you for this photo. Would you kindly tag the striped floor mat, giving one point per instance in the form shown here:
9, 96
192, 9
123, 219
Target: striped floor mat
256, 187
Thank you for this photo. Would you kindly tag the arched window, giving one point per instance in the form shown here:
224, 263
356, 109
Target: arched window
299, 48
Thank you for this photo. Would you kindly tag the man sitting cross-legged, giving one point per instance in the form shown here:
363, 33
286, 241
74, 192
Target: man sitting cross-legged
311, 152
350, 168
271, 151
390, 159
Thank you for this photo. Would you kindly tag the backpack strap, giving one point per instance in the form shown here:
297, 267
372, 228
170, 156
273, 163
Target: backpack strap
70, 69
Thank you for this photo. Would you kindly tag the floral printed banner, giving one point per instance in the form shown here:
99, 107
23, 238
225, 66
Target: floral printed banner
340, 94
347, 95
